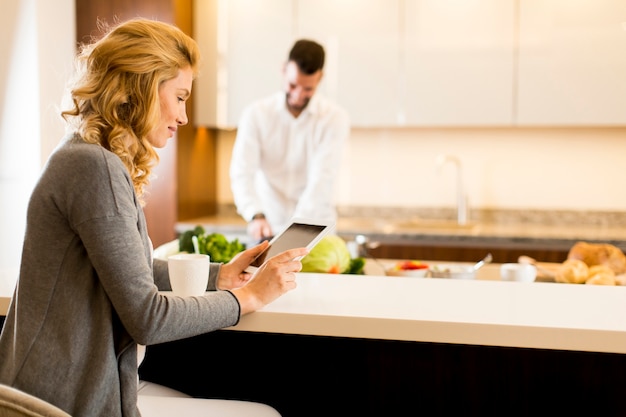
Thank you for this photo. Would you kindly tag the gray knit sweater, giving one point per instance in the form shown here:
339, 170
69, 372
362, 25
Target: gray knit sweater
87, 293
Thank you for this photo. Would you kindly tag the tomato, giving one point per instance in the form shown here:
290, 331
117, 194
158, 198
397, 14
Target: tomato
333, 269
411, 265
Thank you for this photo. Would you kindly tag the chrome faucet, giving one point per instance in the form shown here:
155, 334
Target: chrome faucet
461, 197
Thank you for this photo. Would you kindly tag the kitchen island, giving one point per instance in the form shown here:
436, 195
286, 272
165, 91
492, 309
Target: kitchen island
471, 312
377, 345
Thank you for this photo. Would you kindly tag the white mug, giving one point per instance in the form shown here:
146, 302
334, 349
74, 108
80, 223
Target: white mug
189, 273
518, 272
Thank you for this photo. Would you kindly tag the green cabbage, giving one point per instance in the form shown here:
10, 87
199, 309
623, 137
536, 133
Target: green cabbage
330, 255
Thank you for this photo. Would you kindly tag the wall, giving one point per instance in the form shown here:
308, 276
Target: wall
36, 50
544, 168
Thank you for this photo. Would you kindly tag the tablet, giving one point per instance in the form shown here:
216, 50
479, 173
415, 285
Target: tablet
300, 233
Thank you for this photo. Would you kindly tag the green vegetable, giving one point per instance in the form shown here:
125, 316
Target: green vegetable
185, 242
330, 255
357, 266
219, 248
215, 244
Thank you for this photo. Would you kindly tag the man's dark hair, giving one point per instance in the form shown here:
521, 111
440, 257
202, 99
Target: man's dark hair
308, 55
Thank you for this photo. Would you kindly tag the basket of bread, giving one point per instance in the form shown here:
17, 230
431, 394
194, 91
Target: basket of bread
593, 263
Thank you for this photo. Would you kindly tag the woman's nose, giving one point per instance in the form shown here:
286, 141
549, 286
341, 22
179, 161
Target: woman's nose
182, 118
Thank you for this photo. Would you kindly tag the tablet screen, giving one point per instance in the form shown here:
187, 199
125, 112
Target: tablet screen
297, 235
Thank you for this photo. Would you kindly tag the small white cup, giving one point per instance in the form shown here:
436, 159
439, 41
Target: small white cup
518, 272
189, 273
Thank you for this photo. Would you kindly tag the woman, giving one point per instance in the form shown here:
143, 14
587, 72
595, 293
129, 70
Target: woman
88, 290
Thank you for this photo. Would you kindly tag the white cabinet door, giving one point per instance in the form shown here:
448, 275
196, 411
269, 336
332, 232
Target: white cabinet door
244, 45
459, 62
572, 62
361, 38
389, 62
423, 62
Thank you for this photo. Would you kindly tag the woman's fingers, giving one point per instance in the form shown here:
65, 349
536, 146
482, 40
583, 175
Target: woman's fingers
290, 255
249, 254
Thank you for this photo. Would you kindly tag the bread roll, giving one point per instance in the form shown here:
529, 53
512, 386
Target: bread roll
572, 271
599, 254
601, 275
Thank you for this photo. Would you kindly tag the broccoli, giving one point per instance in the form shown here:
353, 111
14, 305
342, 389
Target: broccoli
215, 244
185, 242
218, 247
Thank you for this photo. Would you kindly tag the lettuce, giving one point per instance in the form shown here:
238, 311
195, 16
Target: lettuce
330, 256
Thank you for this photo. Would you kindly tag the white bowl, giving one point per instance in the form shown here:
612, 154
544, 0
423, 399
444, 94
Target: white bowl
454, 271
518, 272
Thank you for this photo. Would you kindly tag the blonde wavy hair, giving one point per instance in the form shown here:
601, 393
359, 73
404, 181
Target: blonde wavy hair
115, 92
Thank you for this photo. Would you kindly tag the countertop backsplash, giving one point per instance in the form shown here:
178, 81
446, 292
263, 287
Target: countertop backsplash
493, 216
489, 216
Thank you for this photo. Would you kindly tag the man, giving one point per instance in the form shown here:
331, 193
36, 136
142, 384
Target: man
288, 149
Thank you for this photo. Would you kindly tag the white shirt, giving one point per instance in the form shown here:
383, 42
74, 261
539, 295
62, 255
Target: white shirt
285, 166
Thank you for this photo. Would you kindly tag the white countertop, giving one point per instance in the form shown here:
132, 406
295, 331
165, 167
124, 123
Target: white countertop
478, 312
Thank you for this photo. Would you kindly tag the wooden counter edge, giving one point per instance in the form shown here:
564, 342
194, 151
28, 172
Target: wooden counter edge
4, 305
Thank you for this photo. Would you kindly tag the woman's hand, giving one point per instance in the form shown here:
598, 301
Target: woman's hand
274, 278
232, 274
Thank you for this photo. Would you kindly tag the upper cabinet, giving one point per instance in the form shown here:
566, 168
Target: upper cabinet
363, 72
572, 62
459, 62
244, 44
423, 62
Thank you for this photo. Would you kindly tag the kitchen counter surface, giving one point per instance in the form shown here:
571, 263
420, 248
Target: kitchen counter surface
473, 312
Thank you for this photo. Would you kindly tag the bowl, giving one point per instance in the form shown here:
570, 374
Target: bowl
518, 272
454, 271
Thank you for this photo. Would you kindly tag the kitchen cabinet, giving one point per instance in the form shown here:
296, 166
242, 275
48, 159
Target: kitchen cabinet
390, 64
459, 62
572, 61
454, 251
362, 71
424, 62
244, 44
366, 377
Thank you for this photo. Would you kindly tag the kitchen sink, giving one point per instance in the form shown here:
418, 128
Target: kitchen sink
435, 225
416, 225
